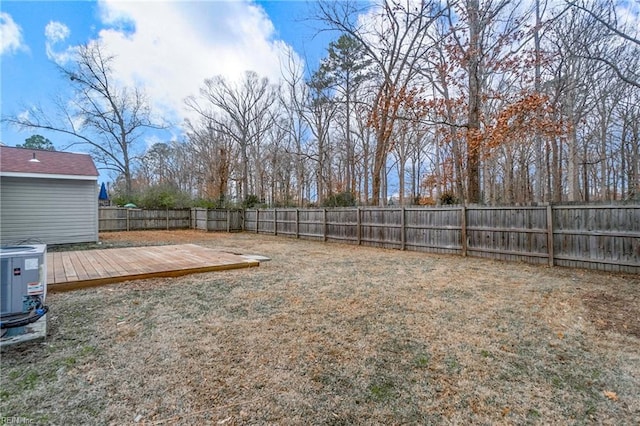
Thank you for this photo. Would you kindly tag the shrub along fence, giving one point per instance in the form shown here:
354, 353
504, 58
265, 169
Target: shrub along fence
595, 237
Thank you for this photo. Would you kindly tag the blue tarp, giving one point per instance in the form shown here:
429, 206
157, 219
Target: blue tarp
103, 193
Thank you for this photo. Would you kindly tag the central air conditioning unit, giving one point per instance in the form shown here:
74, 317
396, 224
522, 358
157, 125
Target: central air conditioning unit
23, 289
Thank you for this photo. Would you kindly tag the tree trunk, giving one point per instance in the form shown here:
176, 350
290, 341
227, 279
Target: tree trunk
508, 176
380, 158
473, 117
538, 193
634, 184
366, 168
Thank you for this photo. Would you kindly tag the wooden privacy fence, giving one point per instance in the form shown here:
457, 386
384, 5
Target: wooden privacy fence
594, 237
217, 219
123, 219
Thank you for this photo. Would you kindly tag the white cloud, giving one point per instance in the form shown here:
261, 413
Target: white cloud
152, 140
171, 47
10, 35
56, 33
629, 17
24, 115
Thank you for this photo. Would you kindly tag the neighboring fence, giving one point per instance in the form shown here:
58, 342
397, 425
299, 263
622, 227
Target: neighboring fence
123, 219
594, 237
217, 219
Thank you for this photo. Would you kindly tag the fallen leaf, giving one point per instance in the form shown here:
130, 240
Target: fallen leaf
611, 395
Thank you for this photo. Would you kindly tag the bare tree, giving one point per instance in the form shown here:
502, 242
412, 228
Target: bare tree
345, 68
446, 113
364, 142
622, 56
628, 114
574, 96
484, 39
321, 111
241, 111
107, 117
293, 95
395, 42
410, 139
212, 164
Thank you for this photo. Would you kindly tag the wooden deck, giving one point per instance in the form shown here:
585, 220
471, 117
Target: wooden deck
73, 270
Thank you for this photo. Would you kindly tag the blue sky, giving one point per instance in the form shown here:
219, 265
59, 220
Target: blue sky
168, 47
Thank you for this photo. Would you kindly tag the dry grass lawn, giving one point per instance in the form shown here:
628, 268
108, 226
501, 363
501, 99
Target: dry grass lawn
335, 334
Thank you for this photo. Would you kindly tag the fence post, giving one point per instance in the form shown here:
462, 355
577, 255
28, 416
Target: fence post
550, 234
403, 236
167, 218
228, 221
257, 220
127, 219
275, 221
463, 233
359, 226
297, 223
324, 224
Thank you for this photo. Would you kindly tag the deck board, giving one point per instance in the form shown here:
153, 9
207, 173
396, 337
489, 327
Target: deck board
89, 268
110, 263
58, 268
78, 265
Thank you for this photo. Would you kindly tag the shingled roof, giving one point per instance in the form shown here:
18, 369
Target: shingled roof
20, 162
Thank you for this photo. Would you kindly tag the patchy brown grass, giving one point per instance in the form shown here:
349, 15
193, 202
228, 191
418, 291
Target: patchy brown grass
335, 334
614, 312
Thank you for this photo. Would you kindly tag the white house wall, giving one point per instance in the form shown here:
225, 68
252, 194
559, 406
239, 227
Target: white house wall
52, 211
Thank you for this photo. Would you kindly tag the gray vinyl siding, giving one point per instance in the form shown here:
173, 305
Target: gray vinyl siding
52, 211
